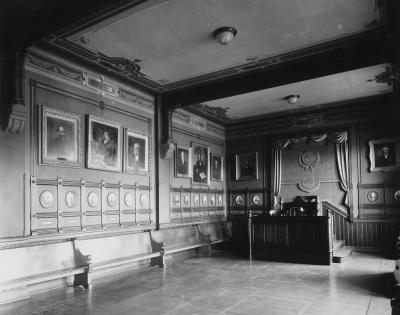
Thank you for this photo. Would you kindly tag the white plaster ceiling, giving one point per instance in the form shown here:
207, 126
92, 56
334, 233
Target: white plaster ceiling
330, 89
173, 39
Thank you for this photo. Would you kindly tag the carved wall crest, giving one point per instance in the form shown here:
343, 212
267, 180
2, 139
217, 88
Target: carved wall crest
310, 181
308, 159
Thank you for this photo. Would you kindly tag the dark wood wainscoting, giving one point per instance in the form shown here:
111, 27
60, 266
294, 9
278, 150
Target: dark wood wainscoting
305, 239
374, 233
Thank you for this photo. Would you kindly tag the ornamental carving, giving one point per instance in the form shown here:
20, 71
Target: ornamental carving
307, 161
121, 64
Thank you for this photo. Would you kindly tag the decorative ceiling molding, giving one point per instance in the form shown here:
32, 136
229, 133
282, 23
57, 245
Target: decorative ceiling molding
186, 118
63, 71
87, 38
91, 81
356, 112
122, 65
131, 70
390, 76
217, 114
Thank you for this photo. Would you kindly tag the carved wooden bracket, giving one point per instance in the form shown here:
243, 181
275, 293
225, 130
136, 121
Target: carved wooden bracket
167, 146
16, 120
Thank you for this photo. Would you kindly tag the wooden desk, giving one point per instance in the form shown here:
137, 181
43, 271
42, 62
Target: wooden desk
303, 239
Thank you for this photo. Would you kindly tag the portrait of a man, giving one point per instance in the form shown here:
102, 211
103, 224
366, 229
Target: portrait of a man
182, 161
216, 168
384, 154
136, 152
247, 166
60, 138
104, 145
200, 162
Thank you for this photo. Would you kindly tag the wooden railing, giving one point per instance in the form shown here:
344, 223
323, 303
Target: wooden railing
372, 233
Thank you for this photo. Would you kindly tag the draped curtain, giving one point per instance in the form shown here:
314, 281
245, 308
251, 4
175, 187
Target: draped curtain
342, 157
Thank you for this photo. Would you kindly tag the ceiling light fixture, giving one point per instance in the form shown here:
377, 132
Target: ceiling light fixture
291, 99
225, 34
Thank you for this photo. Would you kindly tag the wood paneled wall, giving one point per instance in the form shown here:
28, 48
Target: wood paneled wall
369, 223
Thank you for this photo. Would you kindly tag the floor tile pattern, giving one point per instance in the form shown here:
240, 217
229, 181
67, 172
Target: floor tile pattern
226, 284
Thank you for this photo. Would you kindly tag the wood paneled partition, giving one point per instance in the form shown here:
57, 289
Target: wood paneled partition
364, 215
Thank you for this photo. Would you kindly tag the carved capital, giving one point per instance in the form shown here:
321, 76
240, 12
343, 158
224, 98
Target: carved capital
16, 120
167, 150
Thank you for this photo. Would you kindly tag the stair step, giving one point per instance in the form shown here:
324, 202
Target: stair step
337, 244
341, 253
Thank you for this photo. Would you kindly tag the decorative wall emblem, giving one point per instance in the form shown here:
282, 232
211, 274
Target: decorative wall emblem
186, 200
128, 199
143, 200
220, 200
212, 200
196, 200
70, 199
256, 200
176, 200
204, 200
112, 199
372, 196
310, 181
46, 199
308, 159
239, 200
93, 199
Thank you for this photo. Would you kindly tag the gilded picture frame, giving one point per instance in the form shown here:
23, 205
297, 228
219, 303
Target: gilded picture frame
60, 140
216, 167
246, 166
384, 154
104, 144
200, 164
183, 162
136, 152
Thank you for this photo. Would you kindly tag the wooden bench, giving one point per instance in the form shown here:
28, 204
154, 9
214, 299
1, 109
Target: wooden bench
181, 239
214, 233
199, 237
120, 250
21, 267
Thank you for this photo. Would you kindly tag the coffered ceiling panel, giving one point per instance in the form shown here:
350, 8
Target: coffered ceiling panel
170, 43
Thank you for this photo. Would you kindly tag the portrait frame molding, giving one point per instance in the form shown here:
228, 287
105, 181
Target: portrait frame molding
100, 120
242, 156
190, 166
141, 135
373, 143
76, 119
193, 145
221, 167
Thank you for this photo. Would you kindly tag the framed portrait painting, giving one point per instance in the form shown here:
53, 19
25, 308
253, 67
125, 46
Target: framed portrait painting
104, 145
200, 164
216, 168
183, 162
384, 154
60, 143
246, 166
136, 152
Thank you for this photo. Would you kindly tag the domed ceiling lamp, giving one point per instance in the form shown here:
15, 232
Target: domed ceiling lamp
291, 99
225, 34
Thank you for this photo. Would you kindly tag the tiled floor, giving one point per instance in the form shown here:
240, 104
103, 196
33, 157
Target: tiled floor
229, 285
